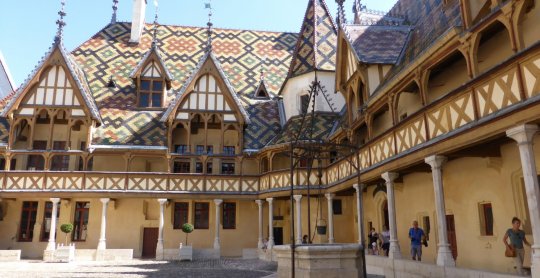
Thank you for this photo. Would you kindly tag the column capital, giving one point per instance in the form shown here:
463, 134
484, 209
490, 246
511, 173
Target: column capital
270, 200
522, 133
298, 198
259, 202
218, 202
162, 201
55, 200
435, 161
389, 177
359, 187
329, 196
104, 200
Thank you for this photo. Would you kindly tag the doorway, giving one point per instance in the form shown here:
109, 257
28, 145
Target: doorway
150, 237
386, 220
278, 235
451, 231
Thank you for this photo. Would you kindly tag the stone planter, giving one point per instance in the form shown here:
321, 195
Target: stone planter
186, 253
320, 260
64, 254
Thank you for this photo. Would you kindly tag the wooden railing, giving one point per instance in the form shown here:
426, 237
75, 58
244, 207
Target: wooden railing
490, 95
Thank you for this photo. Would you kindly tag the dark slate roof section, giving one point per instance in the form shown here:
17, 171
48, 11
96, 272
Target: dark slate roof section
209, 55
73, 68
264, 125
377, 44
430, 19
316, 47
108, 53
324, 122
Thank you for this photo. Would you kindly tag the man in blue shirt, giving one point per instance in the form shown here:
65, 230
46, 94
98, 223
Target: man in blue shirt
417, 236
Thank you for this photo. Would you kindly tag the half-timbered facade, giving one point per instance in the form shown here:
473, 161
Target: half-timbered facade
142, 129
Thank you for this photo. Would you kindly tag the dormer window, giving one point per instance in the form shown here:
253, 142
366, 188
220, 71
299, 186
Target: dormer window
152, 79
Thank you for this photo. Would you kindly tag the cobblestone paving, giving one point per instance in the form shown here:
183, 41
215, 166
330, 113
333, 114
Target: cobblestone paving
141, 268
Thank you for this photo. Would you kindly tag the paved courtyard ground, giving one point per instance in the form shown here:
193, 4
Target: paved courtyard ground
141, 268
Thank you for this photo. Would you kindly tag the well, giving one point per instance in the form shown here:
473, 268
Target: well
320, 260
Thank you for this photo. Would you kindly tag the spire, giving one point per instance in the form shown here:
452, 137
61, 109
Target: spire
316, 47
357, 9
209, 31
154, 35
341, 13
60, 22
114, 8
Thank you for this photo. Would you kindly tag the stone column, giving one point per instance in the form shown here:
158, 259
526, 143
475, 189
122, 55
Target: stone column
102, 245
159, 247
329, 197
444, 254
359, 216
524, 135
298, 199
395, 250
216, 239
260, 243
270, 223
51, 245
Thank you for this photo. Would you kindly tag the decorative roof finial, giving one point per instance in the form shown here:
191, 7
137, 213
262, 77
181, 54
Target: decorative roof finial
357, 9
341, 13
114, 9
60, 22
154, 35
209, 30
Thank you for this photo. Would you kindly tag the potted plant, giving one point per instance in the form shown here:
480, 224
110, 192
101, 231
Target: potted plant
65, 253
186, 251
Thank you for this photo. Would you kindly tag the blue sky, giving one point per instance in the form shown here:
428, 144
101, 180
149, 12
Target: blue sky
27, 28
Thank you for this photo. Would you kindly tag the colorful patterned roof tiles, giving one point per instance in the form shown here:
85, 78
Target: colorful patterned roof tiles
264, 125
108, 53
323, 125
316, 47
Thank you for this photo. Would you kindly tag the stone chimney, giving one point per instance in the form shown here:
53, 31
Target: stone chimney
137, 20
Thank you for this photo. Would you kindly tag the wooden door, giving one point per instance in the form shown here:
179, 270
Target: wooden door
451, 231
150, 237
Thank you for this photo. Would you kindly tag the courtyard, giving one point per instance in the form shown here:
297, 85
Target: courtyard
140, 268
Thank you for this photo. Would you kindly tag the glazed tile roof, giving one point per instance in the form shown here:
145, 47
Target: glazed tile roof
238, 51
377, 44
323, 125
73, 68
316, 47
139, 66
265, 124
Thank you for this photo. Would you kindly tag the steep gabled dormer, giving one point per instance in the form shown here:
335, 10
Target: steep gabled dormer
55, 93
207, 115
262, 90
152, 79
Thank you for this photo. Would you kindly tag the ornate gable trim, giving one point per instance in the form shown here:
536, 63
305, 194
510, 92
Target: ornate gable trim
197, 72
153, 55
72, 70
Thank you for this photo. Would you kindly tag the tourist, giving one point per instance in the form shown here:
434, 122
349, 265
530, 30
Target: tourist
305, 239
265, 244
385, 240
517, 238
373, 237
417, 236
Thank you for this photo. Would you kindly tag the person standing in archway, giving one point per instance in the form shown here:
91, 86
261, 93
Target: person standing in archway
417, 236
